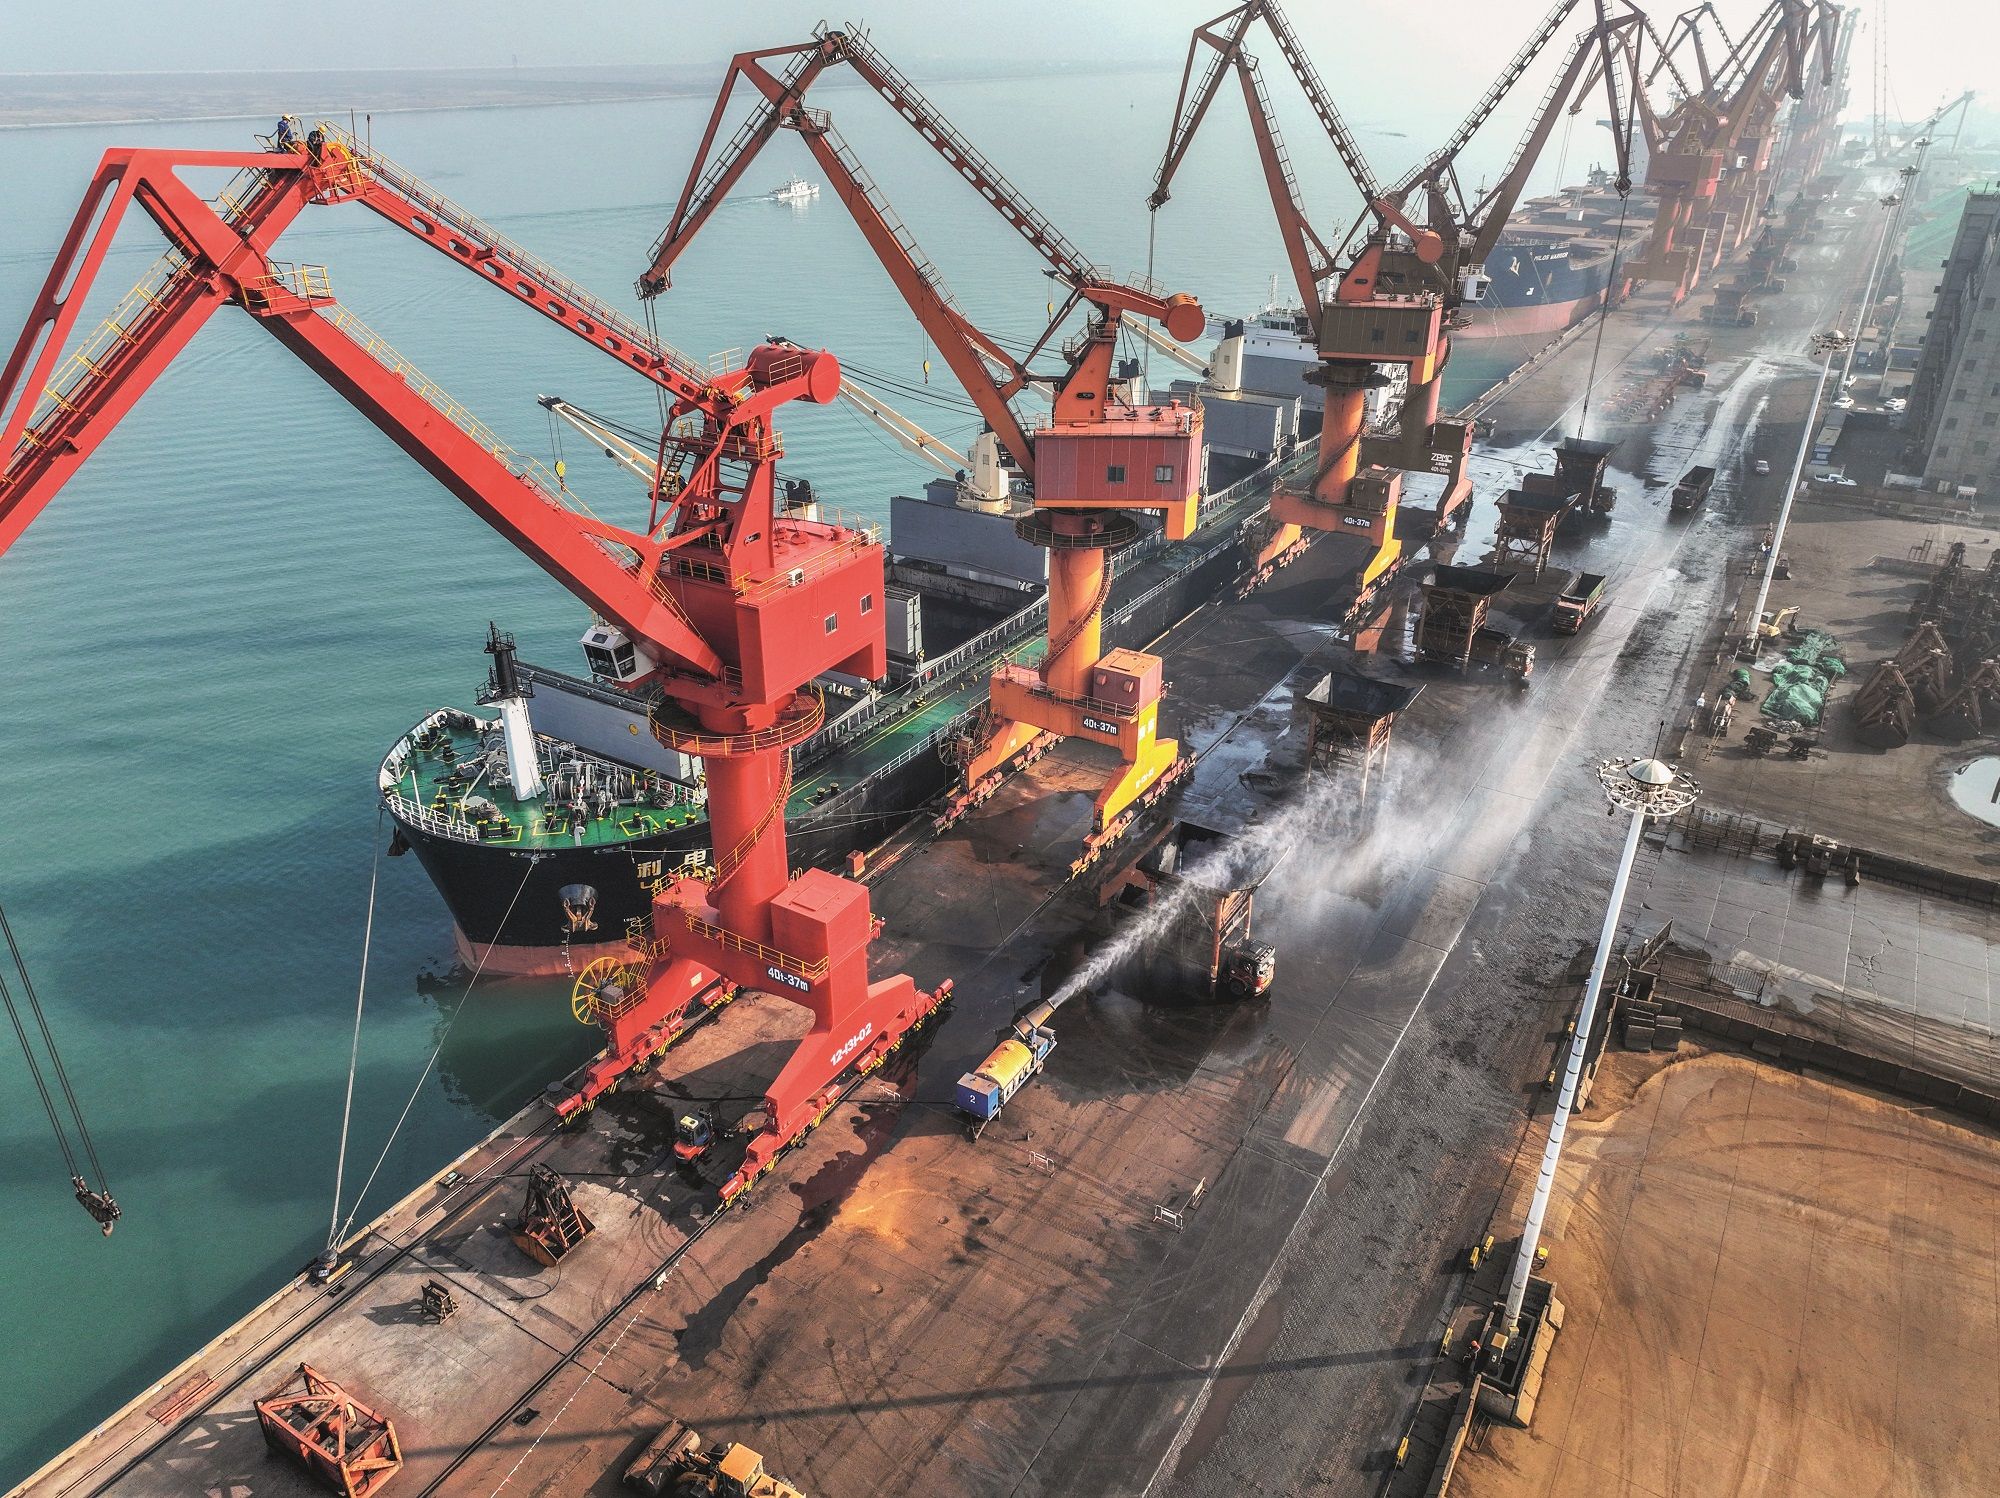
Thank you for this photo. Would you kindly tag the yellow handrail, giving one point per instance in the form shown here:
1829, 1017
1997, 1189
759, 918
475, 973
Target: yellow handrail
734, 943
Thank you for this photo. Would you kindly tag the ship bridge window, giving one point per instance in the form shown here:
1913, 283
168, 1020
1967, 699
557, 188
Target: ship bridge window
1114, 473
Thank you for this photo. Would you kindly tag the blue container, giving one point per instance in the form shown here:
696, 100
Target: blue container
978, 1097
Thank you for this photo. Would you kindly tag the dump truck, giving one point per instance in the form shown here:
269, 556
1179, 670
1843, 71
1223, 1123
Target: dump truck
675, 1464
986, 1089
1499, 651
1578, 601
1692, 491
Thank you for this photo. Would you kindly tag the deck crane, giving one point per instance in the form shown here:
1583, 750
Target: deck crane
1101, 454
1403, 273
720, 608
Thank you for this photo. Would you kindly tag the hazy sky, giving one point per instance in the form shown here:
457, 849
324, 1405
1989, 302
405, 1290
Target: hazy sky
1937, 47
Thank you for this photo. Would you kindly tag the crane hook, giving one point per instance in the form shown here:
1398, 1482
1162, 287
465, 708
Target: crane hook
102, 1209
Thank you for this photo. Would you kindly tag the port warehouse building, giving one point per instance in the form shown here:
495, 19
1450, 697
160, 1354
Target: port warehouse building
1955, 394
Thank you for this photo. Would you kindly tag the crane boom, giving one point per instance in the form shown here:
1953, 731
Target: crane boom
219, 253
1523, 58
1598, 51
739, 608
1098, 455
990, 375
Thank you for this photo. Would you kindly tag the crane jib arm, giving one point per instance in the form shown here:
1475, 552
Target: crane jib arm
990, 375
52, 417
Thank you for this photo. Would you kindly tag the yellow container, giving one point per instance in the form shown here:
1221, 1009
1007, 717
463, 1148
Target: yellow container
1008, 1067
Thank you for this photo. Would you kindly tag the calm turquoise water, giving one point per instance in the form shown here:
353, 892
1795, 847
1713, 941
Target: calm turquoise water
212, 636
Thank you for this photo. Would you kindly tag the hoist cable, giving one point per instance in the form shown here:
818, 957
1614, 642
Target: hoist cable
35, 1072
55, 1058
1610, 281
354, 1047
436, 1051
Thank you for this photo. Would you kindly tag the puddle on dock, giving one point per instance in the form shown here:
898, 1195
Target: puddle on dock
1975, 789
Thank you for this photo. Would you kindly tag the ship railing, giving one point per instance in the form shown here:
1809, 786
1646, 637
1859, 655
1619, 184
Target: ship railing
928, 744
943, 672
398, 757
453, 829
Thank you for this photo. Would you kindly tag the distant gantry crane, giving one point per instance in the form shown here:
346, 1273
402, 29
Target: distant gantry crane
723, 608
1104, 451
1402, 272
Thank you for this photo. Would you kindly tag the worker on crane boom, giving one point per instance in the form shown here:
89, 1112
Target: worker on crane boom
730, 606
1103, 452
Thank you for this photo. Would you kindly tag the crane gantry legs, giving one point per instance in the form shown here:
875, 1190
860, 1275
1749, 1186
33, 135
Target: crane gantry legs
1078, 691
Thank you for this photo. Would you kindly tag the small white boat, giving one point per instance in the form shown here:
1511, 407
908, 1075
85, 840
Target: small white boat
797, 190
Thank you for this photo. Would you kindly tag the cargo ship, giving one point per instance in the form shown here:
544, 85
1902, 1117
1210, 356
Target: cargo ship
1552, 262
546, 816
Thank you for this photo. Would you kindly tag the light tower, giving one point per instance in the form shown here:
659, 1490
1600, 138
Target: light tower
1828, 346
1652, 792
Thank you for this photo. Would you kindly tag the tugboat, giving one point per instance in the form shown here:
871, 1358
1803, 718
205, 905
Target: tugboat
796, 190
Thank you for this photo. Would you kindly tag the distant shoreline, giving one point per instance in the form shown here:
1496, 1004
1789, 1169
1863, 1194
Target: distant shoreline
66, 101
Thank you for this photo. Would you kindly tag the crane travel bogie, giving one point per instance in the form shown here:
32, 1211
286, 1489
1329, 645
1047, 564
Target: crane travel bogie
734, 605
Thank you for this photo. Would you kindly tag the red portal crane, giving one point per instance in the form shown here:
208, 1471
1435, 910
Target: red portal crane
1402, 282
1100, 454
1710, 154
730, 607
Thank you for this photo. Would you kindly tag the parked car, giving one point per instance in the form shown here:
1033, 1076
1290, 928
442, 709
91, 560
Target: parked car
1761, 467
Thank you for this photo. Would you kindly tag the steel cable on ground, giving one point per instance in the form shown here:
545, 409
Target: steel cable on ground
436, 1051
55, 1062
354, 1048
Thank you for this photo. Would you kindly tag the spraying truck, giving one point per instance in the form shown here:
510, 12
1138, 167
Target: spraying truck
1692, 491
1578, 601
986, 1089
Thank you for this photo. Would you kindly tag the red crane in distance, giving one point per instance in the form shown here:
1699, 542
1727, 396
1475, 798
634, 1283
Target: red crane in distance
1710, 153
1101, 453
1400, 281
730, 607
